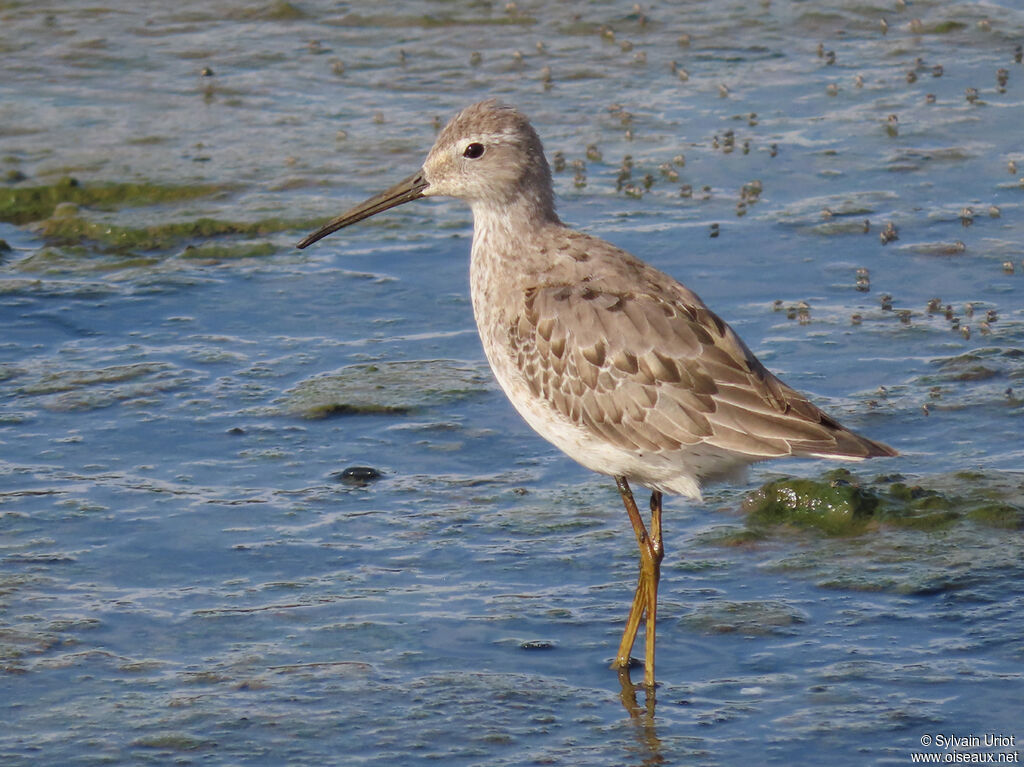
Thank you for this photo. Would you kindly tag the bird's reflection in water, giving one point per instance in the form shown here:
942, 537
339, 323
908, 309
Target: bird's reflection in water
642, 717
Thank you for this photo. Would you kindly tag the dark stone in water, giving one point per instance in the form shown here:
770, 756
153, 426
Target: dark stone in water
359, 476
537, 644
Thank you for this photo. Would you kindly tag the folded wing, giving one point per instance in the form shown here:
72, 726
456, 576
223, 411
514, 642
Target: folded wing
661, 373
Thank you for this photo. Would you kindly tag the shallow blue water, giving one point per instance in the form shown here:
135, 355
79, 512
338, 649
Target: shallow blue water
183, 578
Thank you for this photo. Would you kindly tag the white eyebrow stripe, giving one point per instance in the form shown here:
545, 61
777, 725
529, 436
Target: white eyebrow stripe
488, 138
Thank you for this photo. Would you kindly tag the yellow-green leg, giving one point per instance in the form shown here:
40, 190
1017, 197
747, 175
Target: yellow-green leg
645, 600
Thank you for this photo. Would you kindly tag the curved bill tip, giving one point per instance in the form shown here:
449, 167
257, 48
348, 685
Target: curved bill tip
406, 190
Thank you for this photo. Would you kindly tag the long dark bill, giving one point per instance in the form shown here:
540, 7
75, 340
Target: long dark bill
406, 190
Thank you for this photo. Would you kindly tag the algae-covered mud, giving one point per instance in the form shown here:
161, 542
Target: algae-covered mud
841, 504
386, 387
267, 506
76, 241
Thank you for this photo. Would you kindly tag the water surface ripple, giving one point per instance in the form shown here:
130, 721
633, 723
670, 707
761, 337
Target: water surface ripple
185, 575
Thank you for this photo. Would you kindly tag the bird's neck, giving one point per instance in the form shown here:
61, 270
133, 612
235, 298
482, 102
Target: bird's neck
507, 255
505, 229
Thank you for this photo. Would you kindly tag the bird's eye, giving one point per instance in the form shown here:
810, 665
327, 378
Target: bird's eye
473, 151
